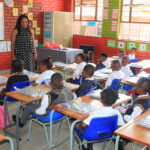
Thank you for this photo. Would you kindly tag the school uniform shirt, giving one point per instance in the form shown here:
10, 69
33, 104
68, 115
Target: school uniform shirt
104, 112
120, 59
79, 70
141, 104
126, 70
45, 75
131, 56
106, 64
114, 75
87, 84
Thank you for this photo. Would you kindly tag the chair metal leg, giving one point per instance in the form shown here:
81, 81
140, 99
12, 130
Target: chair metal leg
11, 142
47, 138
30, 127
106, 146
132, 145
117, 142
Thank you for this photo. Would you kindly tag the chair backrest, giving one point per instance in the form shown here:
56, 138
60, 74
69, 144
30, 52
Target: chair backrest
46, 81
19, 85
134, 60
46, 118
115, 85
101, 128
87, 48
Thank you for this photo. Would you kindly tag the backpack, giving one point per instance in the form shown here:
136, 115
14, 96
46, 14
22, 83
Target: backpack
2, 118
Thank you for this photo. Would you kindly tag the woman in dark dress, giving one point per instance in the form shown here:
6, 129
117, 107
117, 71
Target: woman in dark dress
22, 43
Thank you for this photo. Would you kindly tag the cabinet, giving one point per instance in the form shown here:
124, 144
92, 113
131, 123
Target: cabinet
58, 28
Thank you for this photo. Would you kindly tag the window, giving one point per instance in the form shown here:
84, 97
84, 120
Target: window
88, 17
135, 21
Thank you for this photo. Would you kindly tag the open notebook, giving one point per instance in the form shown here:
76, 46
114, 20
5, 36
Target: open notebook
78, 106
96, 94
30, 74
33, 92
65, 66
145, 122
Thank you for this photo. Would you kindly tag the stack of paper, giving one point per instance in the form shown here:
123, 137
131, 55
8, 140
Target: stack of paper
65, 66
132, 80
141, 64
105, 71
145, 122
30, 74
33, 92
98, 73
77, 106
3, 79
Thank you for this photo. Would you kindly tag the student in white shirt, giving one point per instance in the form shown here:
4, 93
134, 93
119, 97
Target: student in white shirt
142, 102
80, 60
121, 54
108, 98
132, 53
45, 69
116, 73
125, 67
103, 62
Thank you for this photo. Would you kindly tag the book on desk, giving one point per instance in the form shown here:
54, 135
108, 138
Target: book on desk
145, 122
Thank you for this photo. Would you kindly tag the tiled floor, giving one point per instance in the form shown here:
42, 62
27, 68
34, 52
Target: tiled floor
38, 141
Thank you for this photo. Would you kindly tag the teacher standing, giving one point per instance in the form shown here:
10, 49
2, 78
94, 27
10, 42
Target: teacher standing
22, 43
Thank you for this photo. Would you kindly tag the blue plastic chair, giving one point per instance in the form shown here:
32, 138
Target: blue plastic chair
100, 129
45, 81
19, 85
134, 60
49, 119
115, 85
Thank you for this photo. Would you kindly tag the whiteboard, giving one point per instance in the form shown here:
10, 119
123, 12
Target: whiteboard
1, 21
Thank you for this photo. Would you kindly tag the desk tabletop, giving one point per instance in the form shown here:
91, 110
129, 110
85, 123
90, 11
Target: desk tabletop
2, 137
85, 99
135, 132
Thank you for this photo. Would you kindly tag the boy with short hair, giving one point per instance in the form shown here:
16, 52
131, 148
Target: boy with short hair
58, 94
89, 82
142, 102
125, 67
108, 98
132, 53
103, 63
121, 55
116, 73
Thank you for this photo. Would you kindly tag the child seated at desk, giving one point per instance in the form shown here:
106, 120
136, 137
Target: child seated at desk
103, 63
80, 60
58, 94
142, 102
116, 73
108, 98
125, 67
45, 70
132, 53
88, 82
17, 76
121, 55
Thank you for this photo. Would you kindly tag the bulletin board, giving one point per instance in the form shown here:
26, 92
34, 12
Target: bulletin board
1, 21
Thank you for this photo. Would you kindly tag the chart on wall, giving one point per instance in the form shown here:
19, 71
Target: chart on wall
1, 21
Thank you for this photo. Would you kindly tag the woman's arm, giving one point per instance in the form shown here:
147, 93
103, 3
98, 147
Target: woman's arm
35, 51
13, 39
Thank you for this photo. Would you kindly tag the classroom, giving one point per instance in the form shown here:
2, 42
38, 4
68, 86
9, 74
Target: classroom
75, 74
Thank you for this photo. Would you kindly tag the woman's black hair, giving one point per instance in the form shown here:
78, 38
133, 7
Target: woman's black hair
18, 24
17, 66
109, 96
48, 63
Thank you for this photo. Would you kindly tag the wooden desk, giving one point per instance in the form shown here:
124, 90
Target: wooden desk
135, 132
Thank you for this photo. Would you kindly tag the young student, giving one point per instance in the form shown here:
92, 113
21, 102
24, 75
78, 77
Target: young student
132, 53
108, 98
103, 63
45, 69
18, 76
116, 73
89, 82
125, 67
58, 94
121, 55
80, 60
142, 102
